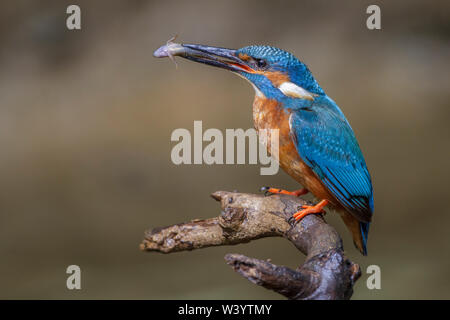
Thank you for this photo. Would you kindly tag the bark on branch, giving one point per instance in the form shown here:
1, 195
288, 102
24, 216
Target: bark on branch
326, 273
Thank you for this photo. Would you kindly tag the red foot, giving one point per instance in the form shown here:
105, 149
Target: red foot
295, 193
318, 208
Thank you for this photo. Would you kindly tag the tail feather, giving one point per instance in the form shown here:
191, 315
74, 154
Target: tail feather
359, 230
364, 227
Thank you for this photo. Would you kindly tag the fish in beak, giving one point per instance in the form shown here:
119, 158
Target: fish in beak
213, 56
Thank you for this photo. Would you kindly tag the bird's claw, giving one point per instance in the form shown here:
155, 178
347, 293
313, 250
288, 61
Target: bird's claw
310, 209
266, 191
292, 221
270, 191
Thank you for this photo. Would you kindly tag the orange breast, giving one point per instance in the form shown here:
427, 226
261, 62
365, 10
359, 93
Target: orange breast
269, 114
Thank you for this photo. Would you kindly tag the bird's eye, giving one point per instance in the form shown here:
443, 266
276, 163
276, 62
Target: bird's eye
261, 63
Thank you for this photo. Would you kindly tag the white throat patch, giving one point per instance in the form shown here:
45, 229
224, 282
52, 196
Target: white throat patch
294, 91
257, 91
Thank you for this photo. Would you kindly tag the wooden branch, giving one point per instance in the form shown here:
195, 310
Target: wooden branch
326, 273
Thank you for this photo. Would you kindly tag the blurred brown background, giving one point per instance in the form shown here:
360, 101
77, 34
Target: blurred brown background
86, 118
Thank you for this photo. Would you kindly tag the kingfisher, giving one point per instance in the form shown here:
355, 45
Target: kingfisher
317, 146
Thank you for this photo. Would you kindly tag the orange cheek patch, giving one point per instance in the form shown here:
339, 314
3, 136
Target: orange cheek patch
277, 78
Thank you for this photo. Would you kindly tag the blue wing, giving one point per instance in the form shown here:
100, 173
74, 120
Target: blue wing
327, 144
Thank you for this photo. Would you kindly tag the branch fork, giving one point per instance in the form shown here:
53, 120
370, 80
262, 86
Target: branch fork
326, 273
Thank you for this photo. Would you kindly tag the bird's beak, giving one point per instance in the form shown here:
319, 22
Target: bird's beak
214, 56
